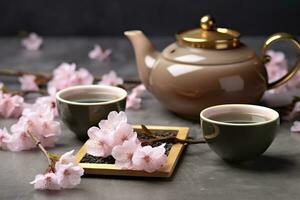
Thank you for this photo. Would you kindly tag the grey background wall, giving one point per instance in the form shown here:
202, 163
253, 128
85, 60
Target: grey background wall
155, 17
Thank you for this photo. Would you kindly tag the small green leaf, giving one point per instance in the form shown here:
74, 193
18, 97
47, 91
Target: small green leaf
54, 156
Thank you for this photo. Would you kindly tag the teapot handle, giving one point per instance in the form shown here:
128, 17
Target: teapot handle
266, 58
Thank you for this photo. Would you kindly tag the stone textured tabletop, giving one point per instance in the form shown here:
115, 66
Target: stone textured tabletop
200, 174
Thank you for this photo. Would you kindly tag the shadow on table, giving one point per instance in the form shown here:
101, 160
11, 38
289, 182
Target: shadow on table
266, 163
59, 194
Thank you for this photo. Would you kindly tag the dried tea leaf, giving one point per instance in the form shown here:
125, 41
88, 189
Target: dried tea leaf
147, 132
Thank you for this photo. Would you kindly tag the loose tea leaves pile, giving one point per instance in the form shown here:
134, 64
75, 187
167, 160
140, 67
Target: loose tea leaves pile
87, 158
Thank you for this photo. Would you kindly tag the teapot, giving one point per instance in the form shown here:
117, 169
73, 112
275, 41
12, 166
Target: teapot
206, 66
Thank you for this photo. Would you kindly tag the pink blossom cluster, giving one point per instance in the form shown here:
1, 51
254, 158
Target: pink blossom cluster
277, 68
32, 42
134, 99
111, 78
38, 120
28, 83
66, 174
116, 137
296, 127
98, 53
11, 106
50, 101
66, 75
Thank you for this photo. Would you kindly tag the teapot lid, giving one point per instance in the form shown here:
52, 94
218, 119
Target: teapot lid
208, 36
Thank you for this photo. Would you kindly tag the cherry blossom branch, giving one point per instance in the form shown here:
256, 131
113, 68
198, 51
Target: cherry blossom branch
43, 78
172, 139
24, 93
147, 131
40, 146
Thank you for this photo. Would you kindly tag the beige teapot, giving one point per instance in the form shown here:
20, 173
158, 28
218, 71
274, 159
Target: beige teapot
206, 66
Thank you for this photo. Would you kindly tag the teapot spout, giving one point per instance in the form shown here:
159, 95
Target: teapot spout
145, 54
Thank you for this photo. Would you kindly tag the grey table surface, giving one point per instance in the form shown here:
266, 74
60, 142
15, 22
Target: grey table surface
200, 174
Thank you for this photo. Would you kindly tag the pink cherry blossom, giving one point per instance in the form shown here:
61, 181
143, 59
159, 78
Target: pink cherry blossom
114, 120
111, 78
99, 54
134, 98
123, 153
133, 101
276, 68
123, 132
277, 58
50, 101
68, 171
66, 158
296, 127
149, 158
83, 77
111, 132
43, 111
139, 90
48, 181
68, 175
38, 121
28, 83
117, 138
10, 105
5, 137
100, 142
62, 75
32, 42
20, 141
48, 140
65, 75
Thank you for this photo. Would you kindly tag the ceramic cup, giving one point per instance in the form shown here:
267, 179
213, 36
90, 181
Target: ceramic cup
238, 141
79, 116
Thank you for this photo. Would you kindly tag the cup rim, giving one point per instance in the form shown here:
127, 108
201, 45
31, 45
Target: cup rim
274, 114
72, 88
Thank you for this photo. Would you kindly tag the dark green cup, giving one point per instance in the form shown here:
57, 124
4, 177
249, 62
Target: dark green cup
239, 141
79, 111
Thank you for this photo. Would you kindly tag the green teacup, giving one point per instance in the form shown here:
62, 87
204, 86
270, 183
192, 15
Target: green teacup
81, 107
239, 132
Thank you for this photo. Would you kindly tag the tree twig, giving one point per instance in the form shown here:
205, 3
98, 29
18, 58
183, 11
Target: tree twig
43, 78
40, 146
173, 140
147, 131
24, 93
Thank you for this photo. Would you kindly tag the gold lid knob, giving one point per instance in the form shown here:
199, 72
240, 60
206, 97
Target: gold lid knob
207, 23
209, 36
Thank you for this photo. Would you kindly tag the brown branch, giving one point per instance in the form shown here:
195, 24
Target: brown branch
40, 146
43, 78
24, 93
173, 140
147, 131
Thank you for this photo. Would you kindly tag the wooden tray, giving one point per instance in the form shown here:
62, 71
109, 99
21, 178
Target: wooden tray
111, 169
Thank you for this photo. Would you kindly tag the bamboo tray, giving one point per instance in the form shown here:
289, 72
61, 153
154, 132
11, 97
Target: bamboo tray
111, 169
